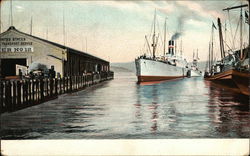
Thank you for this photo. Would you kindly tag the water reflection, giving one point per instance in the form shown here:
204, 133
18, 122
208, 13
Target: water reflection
229, 111
123, 109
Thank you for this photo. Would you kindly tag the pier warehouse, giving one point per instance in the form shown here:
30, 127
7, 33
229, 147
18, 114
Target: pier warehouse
19, 50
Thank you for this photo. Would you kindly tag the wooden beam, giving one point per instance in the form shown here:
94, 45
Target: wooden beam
235, 7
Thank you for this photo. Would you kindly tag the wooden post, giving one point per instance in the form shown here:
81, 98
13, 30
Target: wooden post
60, 86
63, 85
24, 93
67, 83
1, 97
19, 96
37, 91
42, 89
33, 91
70, 83
78, 82
29, 90
51, 86
14, 96
27, 93
8, 95
83, 78
92, 79
56, 86
47, 87
81, 82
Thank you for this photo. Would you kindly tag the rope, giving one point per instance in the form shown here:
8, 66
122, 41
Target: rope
229, 19
157, 23
236, 32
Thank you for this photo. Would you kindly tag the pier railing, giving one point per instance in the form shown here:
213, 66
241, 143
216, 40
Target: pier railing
19, 94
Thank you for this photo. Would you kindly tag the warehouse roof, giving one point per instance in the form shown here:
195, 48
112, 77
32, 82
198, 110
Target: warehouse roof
59, 45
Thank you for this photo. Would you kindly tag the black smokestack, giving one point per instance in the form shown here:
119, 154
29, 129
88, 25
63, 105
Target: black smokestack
171, 47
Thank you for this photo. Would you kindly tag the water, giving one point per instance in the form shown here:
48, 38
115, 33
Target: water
123, 109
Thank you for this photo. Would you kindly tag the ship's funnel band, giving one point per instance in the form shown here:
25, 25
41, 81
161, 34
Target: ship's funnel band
171, 47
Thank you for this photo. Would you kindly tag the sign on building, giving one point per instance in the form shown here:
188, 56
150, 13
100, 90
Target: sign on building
15, 44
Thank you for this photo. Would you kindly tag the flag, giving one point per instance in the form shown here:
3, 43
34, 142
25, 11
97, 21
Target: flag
246, 17
214, 26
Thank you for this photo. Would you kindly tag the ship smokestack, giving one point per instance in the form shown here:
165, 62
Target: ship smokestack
171, 47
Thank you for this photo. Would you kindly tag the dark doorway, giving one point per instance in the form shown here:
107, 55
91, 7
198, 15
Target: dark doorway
8, 66
99, 68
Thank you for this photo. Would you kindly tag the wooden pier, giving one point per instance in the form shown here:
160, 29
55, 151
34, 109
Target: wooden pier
19, 94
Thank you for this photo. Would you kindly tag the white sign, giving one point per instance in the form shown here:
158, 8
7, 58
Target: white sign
17, 49
15, 44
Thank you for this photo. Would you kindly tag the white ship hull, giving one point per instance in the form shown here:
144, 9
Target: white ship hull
151, 70
196, 73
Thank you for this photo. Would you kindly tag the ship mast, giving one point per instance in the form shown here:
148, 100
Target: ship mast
197, 54
165, 25
193, 55
212, 44
11, 14
241, 20
211, 51
241, 42
181, 47
63, 29
148, 44
0, 18
221, 40
31, 24
154, 38
209, 58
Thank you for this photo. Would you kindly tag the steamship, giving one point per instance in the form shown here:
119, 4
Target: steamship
160, 68
194, 71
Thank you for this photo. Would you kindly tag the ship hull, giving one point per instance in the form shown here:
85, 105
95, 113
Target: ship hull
227, 75
150, 70
242, 81
238, 81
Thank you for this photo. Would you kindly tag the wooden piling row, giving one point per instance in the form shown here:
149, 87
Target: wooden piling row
19, 94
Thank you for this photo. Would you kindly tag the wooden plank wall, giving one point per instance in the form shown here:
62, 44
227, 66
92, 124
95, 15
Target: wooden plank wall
79, 64
19, 94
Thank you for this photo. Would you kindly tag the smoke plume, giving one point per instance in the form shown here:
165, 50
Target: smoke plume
37, 66
176, 36
180, 24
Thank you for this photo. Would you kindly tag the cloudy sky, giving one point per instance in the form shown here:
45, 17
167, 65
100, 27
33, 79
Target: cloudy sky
115, 30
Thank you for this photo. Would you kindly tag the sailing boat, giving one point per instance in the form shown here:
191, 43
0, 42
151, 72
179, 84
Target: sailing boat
194, 71
233, 69
159, 68
241, 75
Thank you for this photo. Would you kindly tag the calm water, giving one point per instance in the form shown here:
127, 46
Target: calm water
186, 108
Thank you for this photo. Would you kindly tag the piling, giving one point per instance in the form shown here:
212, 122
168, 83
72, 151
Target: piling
19, 94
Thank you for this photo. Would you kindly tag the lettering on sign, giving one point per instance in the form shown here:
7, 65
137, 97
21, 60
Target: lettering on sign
15, 44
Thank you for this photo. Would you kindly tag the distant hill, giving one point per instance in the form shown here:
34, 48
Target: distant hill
130, 66
119, 69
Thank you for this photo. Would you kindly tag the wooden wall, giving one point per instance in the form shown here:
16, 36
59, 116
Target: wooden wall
77, 64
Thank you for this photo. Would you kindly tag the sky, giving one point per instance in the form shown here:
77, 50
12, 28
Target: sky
115, 30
